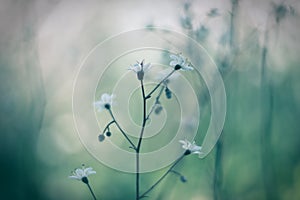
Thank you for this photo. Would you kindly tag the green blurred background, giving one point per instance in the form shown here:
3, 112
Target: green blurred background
255, 45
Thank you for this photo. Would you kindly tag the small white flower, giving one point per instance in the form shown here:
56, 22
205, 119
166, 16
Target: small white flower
137, 67
190, 147
182, 61
105, 102
82, 173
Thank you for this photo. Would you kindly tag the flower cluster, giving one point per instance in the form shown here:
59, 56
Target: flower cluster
106, 101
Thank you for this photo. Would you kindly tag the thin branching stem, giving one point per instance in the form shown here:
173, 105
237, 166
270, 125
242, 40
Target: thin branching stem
107, 126
140, 141
157, 86
122, 131
176, 172
145, 118
156, 102
144, 115
162, 177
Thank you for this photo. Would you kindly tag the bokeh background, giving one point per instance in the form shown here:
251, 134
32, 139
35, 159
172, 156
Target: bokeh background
255, 45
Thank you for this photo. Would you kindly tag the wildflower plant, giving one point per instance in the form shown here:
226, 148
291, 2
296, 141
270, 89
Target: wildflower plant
162, 98
177, 63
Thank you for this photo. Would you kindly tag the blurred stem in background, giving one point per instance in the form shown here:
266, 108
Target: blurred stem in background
232, 52
201, 35
218, 173
279, 12
268, 175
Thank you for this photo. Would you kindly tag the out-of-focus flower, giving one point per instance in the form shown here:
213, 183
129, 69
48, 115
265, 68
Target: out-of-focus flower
180, 62
282, 10
140, 68
214, 12
82, 173
201, 33
191, 148
105, 102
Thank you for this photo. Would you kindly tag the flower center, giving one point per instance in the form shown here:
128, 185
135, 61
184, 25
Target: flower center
187, 152
85, 180
177, 67
107, 106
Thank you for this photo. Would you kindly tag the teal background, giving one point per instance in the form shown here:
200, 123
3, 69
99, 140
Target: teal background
255, 45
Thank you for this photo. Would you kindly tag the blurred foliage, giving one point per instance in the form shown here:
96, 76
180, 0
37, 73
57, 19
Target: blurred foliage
258, 152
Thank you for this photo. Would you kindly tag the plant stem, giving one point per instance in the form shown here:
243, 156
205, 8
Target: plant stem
217, 181
162, 177
137, 181
91, 191
156, 102
140, 142
267, 103
119, 127
107, 126
154, 89
144, 116
234, 7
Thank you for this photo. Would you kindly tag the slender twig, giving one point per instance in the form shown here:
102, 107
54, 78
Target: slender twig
144, 115
107, 126
157, 86
163, 176
140, 142
217, 179
137, 181
267, 103
156, 102
176, 172
119, 127
91, 191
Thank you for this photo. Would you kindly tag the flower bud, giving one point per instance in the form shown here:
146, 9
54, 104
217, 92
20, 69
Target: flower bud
108, 133
140, 75
168, 93
158, 109
101, 137
183, 179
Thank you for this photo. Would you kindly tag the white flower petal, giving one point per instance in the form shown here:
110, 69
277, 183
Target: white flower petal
174, 57
138, 67
173, 63
74, 177
195, 149
179, 59
79, 173
105, 99
89, 171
